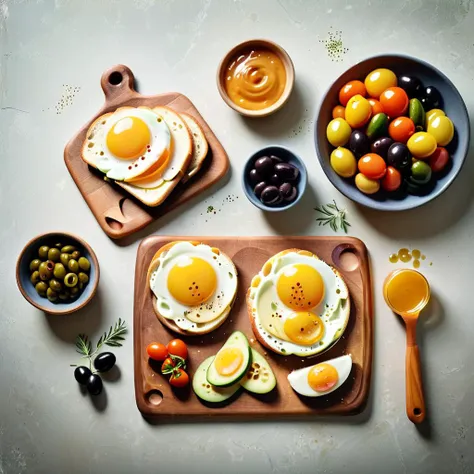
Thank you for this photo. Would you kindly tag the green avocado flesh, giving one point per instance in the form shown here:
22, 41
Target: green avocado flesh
237, 340
204, 390
260, 377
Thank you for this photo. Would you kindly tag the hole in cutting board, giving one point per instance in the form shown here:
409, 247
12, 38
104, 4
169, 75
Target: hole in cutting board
346, 257
115, 78
113, 223
154, 397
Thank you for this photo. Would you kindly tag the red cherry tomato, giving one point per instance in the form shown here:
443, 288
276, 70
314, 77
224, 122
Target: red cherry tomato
351, 89
376, 106
439, 159
157, 351
339, 112
392, 179
372, 166
394, 101
179, 378
167, 366
178, 348
401, 129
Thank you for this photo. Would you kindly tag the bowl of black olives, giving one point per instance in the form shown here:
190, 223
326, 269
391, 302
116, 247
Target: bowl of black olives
274, 178
57, 273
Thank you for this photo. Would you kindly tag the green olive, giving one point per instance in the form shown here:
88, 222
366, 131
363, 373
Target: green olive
43, 252
34, 265
73, 265
54, 254
64, 295
80, 285
59, 271
41, 288
55, 285
35, 277
71, 280
58, 245
74, 291
84, 264
68, 249
83, 278
51, 295
46, 270
65, 257
76, 255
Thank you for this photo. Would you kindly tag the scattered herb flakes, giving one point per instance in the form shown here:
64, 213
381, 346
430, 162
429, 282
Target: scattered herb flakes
274, 306
213, 210
67, 98
334, 45
332, 215
210, 209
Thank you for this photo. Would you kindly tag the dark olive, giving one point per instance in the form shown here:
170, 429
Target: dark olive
54, 254
276, 179
257, 190
411, 85
41, 288
74, 291
73, 265
64, 295
254, 177
76, 254
381, 146
68, 249
398, 156
431, 99
84, 264
55, 285
105, 361
43, 252
59, 271
71, 280
271, 196
51, 295
264, 166
82, 374
359, 143
276, 159
286, 171
65, 257
34, 265
288, 192
35, 277
94, 384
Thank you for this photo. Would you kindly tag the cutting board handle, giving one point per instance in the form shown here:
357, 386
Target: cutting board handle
118, 82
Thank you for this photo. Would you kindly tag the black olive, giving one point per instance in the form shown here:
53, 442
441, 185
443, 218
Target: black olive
264, 166
431, 99
254, 177
288, 192
381, 146
398, 156
82, 374
276, 179
359, 143
271, 196
411, 85
259, 188
105, 361
286, 171
276, 159
94, 384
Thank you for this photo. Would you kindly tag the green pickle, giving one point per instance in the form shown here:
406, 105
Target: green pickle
417, 113
378, 126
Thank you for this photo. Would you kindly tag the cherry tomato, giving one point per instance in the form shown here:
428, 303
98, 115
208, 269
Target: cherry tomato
351, 89
392, 179
157, 351
378, 80
179, 378
167, 366
358, 111
178, 348
372, 166
376, 106
439, 159
394, 101
339, 112
366, 185
401, 129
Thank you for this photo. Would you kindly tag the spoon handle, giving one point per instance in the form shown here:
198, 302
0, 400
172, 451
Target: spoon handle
416, 410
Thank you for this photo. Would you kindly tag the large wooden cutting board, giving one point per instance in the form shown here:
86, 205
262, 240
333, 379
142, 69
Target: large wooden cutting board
118, 213
155, 397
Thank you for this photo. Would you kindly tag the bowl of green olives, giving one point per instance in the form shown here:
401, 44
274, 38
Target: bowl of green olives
57, 273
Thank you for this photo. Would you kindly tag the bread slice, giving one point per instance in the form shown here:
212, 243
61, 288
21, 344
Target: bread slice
95, 134
200, 146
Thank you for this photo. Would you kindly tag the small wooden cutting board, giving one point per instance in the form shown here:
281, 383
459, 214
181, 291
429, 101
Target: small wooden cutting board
117, 212
156, 398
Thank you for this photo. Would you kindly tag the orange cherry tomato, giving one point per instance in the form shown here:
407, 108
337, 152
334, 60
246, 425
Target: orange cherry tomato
392, 179
339, 112
178, 348
376, 106
167, 366
351, 89
179, 378
394, 101
157, 351
401, 129
439, 159
372, 166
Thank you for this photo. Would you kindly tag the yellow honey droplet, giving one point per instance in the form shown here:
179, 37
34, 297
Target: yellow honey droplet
423, 257
405, 257
416, 263
416, 254
393, 258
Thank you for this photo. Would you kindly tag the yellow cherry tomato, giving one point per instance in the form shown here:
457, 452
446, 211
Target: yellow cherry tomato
421, 144
379, 80
442, 129
338, 132
432, 114
366, 185
358, 111
343, 162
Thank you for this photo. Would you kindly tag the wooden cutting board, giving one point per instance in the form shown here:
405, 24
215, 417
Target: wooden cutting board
118, 213
156, 398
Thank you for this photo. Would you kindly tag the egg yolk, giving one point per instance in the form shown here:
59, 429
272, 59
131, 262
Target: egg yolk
304, 328
192, 281
128, 138
300, 287
323, 377
228, 361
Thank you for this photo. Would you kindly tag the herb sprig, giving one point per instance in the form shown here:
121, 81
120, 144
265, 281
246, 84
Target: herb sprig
332, 215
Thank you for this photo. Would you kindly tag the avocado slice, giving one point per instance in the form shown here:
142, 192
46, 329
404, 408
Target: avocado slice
260, 377
239, 344
204, 390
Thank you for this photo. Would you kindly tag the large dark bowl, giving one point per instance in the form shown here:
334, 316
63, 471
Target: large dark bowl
454, 107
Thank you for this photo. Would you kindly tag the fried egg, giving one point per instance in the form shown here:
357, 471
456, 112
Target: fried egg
321, 379
131, 142
194, 284
299, 304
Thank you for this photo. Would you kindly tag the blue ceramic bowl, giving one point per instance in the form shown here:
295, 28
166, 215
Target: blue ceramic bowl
287, 156
453, 105
30, 252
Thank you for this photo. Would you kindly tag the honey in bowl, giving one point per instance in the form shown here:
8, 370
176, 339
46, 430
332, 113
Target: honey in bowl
255, 78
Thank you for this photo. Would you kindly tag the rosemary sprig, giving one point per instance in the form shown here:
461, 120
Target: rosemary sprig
83, 345
332, 215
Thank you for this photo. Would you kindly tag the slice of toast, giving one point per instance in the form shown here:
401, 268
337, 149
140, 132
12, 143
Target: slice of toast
200, 146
